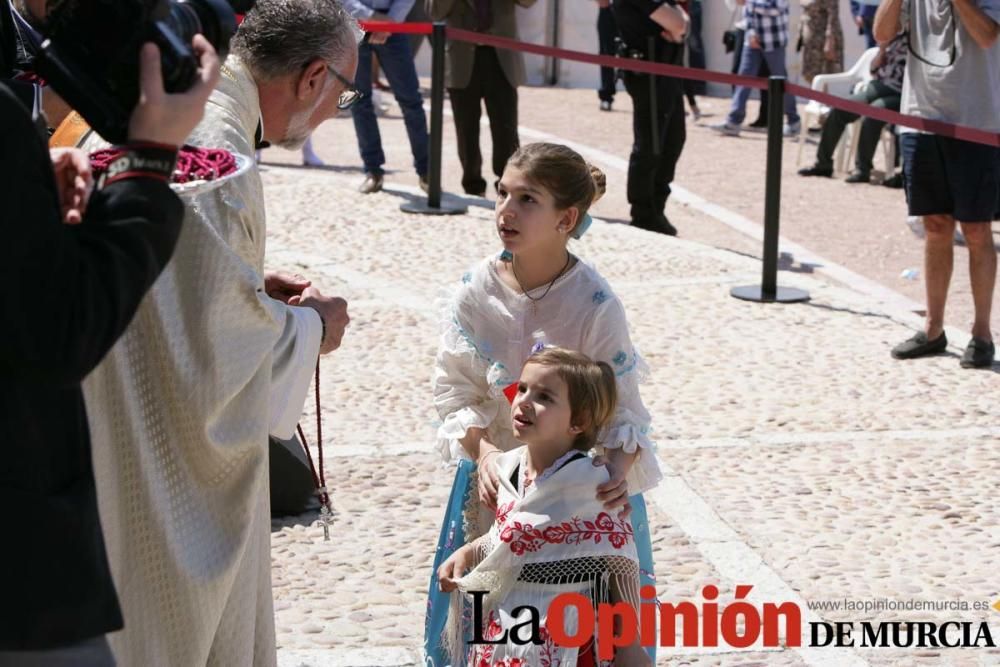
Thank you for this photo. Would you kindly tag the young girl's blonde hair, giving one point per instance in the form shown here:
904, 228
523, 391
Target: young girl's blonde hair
592, 391
572, 181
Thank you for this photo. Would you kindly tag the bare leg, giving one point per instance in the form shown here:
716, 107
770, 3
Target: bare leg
938, 263
982, 273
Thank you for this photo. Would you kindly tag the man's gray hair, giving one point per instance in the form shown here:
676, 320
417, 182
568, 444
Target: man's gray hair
280, 37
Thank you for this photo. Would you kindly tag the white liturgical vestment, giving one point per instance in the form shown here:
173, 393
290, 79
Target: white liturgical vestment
180, 411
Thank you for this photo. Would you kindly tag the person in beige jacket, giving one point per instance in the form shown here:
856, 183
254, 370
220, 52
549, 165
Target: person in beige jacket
482, 73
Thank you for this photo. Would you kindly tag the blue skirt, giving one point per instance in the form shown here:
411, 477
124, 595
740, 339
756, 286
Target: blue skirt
453, 536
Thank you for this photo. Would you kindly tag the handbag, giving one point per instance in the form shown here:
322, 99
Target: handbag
731, 37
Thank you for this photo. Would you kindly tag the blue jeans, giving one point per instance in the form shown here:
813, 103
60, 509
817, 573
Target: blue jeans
396, 60
750, 61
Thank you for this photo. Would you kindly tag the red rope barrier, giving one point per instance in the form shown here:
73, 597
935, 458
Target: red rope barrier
631, 64
935, 126
402, 28
634, 65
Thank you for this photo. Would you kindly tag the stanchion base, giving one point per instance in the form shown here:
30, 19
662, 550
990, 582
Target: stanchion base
756, 293
421, 207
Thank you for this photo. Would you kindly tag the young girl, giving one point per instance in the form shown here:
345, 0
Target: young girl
551, 535
534, 293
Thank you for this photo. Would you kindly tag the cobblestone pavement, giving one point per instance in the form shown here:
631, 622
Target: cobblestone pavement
800, 458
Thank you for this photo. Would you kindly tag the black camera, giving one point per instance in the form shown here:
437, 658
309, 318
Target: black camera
91, 56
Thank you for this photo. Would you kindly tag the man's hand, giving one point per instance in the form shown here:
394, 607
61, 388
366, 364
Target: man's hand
603, 4
614, 493
169, 118
754, 42
860, 22
73, 182
379, 37
672, 19
285, 286
333, 310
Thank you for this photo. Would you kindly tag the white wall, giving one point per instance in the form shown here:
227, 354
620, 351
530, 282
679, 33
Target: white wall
578, 31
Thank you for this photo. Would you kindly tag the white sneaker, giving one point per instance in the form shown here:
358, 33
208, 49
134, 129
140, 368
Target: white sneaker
916, 225
792, 129
727, 128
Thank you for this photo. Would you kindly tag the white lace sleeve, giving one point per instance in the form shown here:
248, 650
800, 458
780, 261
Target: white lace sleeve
608, 340
461, 389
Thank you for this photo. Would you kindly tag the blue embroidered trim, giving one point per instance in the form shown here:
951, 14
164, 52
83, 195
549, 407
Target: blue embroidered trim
468, 339
599, 297
503, 380
621, 358
466, 277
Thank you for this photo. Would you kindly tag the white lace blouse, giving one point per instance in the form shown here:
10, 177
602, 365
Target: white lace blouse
489, 330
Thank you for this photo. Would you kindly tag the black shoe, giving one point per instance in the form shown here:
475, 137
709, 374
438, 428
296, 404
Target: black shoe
476, 190
371, 184
919, 346
816, 170
759, 124
858, 176
978, 354
895, 181
660, 226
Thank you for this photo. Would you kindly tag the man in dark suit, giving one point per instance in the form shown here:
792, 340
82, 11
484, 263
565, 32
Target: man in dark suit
657, 141
482, 73
74, 273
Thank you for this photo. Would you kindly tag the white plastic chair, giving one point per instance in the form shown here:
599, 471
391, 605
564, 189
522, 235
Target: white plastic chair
842, 85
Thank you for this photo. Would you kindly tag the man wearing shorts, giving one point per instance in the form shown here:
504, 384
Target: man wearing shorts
952, 75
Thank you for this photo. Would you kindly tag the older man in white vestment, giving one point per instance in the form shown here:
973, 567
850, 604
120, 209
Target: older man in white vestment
181, 409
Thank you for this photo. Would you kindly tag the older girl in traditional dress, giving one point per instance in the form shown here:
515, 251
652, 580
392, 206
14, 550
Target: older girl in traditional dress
534, 293
551, 536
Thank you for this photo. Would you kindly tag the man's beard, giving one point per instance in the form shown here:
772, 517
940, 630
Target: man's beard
298, 130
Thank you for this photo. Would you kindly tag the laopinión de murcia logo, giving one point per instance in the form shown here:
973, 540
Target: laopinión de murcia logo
738, 624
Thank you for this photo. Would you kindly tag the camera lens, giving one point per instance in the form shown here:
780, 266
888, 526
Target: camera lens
214, 19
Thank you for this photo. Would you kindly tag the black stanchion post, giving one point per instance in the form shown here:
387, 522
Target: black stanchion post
768, 291
651, 57
433, 205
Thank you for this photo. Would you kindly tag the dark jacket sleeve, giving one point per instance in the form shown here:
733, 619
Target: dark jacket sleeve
69, 291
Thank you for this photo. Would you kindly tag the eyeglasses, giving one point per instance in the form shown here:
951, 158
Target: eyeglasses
349, 95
